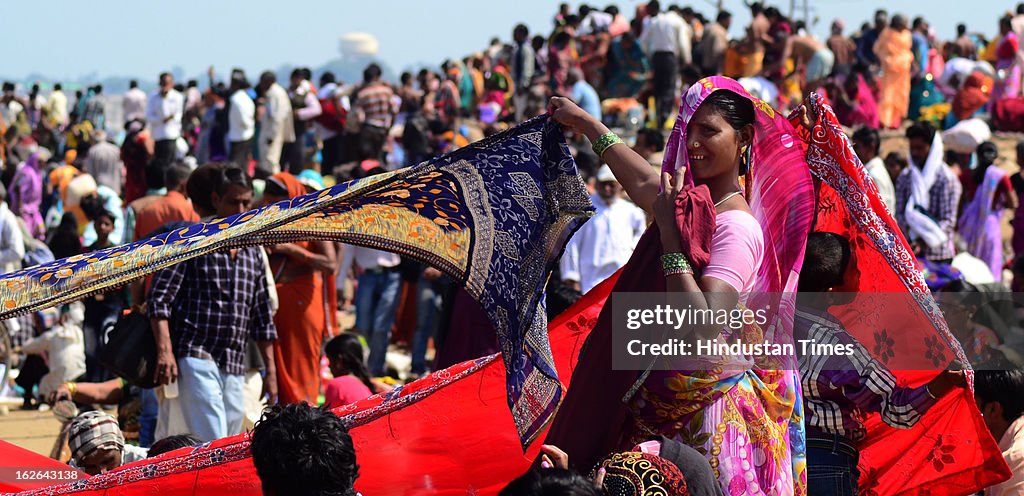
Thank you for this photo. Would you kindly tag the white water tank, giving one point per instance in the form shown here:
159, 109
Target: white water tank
358, 44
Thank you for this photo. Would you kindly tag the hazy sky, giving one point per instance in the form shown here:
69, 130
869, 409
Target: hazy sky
66, 39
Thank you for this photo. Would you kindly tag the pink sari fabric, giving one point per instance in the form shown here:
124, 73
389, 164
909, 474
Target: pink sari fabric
980, 224
27, 196
863, 111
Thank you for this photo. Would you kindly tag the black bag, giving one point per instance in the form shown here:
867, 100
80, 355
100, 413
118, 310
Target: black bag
130, 350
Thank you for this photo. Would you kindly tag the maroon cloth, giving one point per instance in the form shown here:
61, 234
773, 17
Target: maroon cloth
577, 428
1008, 114
470, 333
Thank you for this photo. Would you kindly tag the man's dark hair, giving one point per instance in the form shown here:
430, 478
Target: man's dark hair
611, 10
171, 443
327, 78
92, 206
176, 175
97, 89
232, 176
520, 31
300, 449
131, 84
1020, 8
371, 73
162, 76
653, 8
200, 185
921, 130
57, 87
723, 16
553, 481
192, 83
825, 261
296, 73
869, 137
1000, 381
961, 29
103, 212
756, 8
652, 138
918, 21
267, 78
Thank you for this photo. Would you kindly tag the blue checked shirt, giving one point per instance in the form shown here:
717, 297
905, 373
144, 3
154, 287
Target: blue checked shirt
840, 389
943, 202
213, 304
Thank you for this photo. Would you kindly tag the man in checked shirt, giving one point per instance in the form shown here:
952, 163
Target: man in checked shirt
838, 388
202, 311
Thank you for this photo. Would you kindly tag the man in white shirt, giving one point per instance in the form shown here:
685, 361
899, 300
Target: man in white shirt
241, 120
866, 143
57, 107
164, 112
667, 40
12, 243
605, 243
134, 102
276, 124
376, 298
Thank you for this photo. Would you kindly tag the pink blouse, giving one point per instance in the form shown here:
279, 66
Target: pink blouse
737, 249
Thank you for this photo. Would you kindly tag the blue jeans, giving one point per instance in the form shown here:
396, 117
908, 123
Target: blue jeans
429, 300
147, 419
376, 302
831, 467
212, 399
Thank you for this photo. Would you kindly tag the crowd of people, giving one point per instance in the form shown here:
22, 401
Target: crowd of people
238, 330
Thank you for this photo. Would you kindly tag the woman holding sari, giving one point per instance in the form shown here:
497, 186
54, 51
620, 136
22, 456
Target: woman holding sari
894, 51
301, 317
734, 202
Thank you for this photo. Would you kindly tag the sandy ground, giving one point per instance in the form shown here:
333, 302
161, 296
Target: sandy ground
33, 430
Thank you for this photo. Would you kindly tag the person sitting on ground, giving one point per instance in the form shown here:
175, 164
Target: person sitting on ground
352, 381
118, 392
97, 445
171, 443
301, 449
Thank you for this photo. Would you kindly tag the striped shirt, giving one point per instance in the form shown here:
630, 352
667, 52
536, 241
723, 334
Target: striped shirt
943, 201
840, 389
213, 304
375, 102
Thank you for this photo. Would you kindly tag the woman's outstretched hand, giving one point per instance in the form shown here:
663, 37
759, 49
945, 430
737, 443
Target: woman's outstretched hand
570, 115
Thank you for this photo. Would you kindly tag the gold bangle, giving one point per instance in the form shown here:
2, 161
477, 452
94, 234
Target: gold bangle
72, 388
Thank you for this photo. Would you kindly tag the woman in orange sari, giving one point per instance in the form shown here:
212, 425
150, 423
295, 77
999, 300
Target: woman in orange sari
893, 49
301, 318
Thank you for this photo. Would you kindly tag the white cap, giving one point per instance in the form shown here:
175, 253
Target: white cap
605, 174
